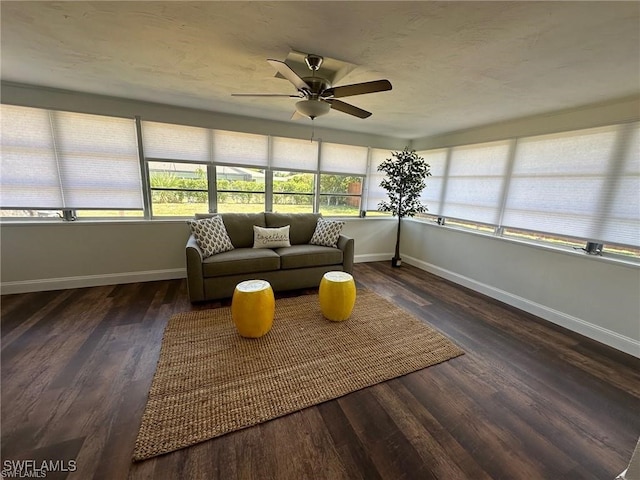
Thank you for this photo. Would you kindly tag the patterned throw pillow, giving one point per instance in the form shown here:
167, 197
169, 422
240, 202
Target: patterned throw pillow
271, 237
211, 235
327, 233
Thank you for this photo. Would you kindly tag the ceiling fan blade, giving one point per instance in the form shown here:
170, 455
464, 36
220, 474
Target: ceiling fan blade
358, 89
284, 70
348, 108
297, 116
265, 95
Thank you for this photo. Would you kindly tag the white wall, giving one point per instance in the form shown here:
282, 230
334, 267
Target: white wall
37, 256
590, 295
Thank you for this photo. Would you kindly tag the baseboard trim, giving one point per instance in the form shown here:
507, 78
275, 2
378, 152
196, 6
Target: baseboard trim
63, 283
27, 286
372, 257
575, 324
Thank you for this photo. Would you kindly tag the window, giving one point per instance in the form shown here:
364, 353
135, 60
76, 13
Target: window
343, 168
178, 189
557, 240
340, 195
54, 161
109, 214
240, 189
293, 192
623, 250
566, 189
7, 214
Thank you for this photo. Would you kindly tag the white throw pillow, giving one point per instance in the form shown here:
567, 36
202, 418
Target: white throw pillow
327, 233
211, 235
271, 237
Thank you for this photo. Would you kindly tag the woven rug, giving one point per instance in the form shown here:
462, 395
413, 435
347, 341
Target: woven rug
209, 381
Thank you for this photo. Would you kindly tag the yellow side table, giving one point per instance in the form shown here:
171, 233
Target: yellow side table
337, 295
252, 308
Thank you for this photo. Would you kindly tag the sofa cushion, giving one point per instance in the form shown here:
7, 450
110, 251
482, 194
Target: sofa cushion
211, 235
241, 261
302, 225
270, 237
327, 233
240, 227
301, 256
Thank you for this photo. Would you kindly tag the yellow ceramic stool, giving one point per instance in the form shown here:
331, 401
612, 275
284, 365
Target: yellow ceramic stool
253, 307
337, 295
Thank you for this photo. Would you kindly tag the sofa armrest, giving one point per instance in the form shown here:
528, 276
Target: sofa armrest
195, 280
347, 245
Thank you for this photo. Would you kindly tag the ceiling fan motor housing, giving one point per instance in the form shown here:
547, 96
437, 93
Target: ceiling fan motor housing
317, 84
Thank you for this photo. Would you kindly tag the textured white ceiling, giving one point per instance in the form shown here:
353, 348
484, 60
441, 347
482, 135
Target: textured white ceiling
453, 65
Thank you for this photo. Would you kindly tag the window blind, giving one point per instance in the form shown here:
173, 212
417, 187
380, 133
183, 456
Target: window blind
337, 158
475, 182
98, 161
294, 154
622, 217
375, 193
28, 171
582, 184
240, 148
175, 142
63, 160
431, 195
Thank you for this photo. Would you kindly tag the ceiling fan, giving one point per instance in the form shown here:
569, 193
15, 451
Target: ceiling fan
318, 95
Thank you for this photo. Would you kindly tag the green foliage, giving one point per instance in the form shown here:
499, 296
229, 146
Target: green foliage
233, 191
405, 179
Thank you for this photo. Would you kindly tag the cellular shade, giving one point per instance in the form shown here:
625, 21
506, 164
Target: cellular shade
294, 154
476, 182
176, 142
375, 193
29, 170
98, 161
582, 184
337, 158
240, 148
62, 160
431, 195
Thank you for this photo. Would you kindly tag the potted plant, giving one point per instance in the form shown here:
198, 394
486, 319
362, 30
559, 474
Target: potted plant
405, 179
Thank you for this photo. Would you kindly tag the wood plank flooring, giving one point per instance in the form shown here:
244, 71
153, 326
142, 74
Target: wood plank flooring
528, 400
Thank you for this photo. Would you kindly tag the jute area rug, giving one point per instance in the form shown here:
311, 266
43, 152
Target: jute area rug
209, 381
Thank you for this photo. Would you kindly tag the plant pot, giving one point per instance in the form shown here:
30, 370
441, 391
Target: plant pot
396, 262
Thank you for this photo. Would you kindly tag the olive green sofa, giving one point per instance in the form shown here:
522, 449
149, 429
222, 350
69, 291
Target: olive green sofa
286, 268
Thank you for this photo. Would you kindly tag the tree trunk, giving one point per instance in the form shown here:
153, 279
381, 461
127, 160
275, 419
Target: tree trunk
396, 257
397, 254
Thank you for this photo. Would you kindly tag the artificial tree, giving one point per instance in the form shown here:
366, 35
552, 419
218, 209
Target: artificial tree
405, 179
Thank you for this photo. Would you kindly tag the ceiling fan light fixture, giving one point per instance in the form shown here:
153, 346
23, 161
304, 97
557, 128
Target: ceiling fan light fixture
312, 108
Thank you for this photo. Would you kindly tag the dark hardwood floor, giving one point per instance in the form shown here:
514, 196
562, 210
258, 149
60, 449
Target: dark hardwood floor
528, 400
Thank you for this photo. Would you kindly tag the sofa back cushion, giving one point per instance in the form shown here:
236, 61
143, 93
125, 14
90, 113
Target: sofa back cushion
239, 226
302, 225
